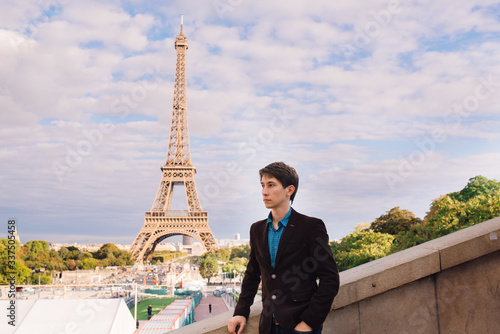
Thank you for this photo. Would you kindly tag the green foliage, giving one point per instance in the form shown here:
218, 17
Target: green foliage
85, 255
36, 247
360, 247
395, 221
400, 229
88, 263
107, 250
43, 278
447, 215
111, 255
237, 264
73, 255
209, 266
478, 185
222, 254
240, 251
120, 262
165, 255
35, 256
63, 253
22, 273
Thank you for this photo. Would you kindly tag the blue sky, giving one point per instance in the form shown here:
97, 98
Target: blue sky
377, 104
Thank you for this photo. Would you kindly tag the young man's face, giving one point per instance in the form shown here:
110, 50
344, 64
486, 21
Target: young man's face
274, 194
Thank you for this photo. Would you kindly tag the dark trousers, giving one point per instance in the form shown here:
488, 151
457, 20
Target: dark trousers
276, 329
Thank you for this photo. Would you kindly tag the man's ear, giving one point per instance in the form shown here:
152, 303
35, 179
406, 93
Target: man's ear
290, 190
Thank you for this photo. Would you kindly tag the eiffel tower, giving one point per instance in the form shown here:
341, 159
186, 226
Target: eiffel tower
161, 222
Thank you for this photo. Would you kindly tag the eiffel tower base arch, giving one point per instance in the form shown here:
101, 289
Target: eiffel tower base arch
158, 226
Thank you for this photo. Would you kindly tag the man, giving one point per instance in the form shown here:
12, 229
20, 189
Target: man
150, 311
289, 251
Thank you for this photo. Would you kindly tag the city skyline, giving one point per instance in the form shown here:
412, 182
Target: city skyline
377, 105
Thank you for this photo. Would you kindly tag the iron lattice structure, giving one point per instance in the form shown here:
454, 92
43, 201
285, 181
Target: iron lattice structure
161, 222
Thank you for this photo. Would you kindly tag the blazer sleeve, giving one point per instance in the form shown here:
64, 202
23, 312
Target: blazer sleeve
328, 274
251, 281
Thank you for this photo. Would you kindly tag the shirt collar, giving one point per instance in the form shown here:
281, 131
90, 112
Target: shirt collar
284, 221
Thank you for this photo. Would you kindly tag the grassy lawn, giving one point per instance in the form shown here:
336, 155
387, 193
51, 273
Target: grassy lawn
158, 304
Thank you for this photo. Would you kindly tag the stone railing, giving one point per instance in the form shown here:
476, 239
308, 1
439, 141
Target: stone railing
447, 285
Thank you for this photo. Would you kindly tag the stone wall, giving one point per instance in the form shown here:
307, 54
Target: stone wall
447, 285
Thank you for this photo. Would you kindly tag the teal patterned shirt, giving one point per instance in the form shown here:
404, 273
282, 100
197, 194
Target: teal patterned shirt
274, 236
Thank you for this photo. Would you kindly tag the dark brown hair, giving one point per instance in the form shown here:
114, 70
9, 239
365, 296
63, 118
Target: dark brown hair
283, 173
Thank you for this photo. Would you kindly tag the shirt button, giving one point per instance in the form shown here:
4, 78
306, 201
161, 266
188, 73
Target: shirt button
273, 276
273, 297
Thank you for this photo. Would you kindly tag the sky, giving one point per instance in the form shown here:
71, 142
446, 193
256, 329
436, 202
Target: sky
377, 104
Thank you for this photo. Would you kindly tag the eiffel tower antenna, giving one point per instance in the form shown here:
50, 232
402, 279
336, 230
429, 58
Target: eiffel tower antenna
161, 222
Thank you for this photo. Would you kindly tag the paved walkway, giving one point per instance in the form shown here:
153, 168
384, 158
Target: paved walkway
201, 311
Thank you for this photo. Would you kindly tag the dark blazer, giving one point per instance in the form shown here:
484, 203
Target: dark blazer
290, 290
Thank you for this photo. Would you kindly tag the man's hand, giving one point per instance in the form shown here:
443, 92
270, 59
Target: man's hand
303, 327
234, 322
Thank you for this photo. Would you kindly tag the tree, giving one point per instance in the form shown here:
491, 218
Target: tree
240, 251
120, 261
111, 260
447, 215
395, 221
222, 254
209, 266
22, 273
35, 247
63, 252
73, 255
43, 278
71, 264
85, 255
477, 185
88, 263
452, 215
124, 258
107, 250
360, 247
237, 264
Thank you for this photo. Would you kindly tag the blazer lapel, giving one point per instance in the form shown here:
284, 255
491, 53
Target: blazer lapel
265, 245
285, 238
